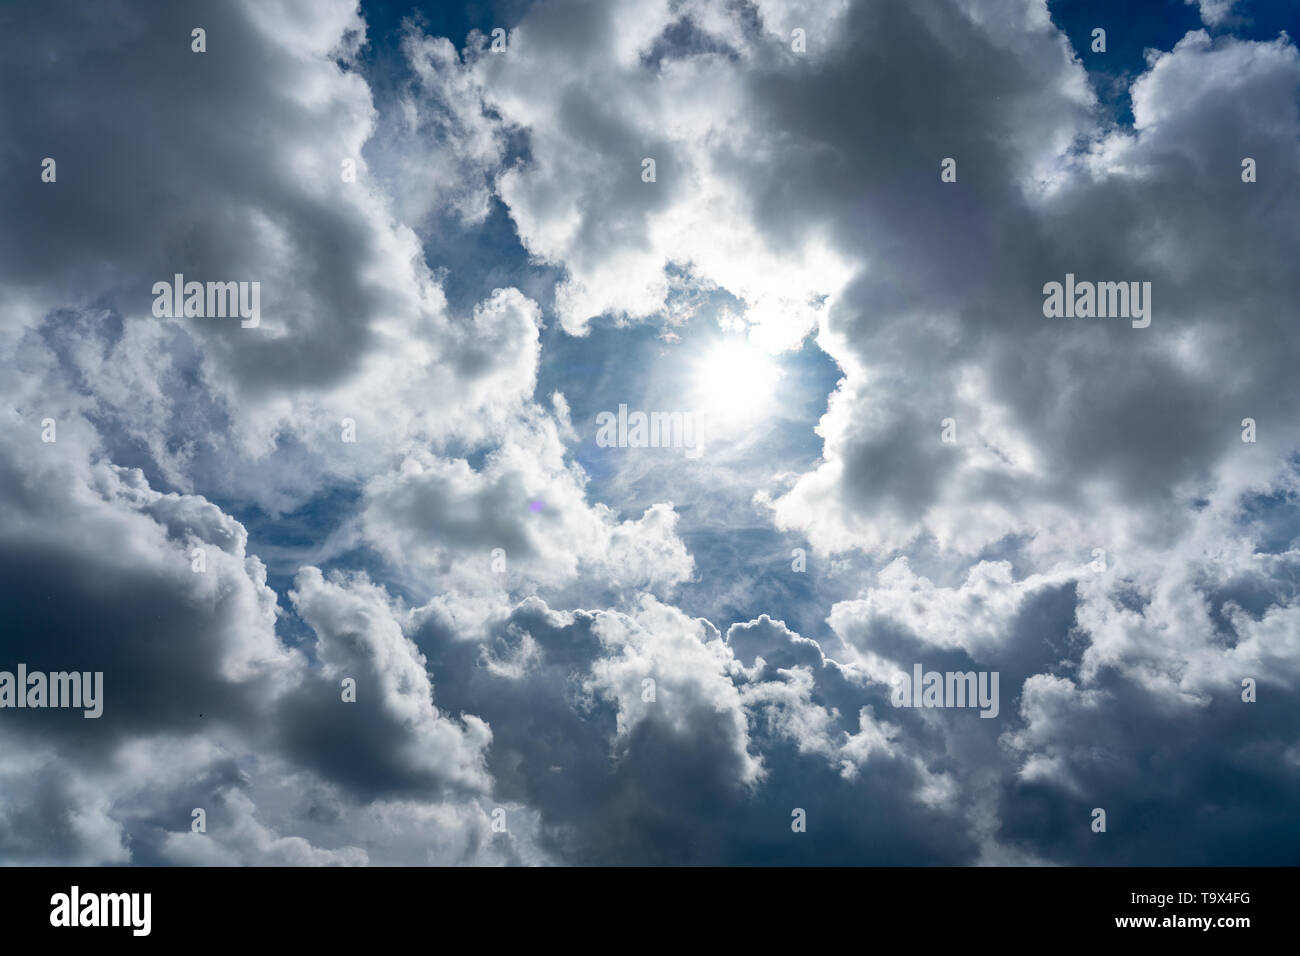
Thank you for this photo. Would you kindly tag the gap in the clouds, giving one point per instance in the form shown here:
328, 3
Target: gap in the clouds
1274, 518
1131, 28
437, 18
744, 572
1273, 522
287, 542
470, 261
1009, 548
744, 564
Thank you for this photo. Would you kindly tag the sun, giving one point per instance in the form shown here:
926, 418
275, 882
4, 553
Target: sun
734, 380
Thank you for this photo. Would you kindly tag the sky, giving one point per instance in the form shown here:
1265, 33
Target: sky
372, 572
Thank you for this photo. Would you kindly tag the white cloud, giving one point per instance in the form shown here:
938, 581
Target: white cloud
1213, 12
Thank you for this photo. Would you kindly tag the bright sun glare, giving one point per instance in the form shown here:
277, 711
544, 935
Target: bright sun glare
735, 380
